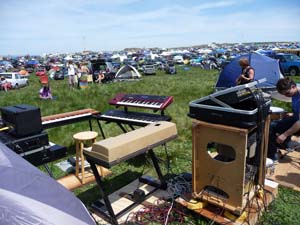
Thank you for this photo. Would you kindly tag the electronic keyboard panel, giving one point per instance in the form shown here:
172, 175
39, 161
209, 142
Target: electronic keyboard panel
132, 118
67, 118
144, 101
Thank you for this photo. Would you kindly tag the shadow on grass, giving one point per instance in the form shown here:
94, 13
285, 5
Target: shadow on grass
110, 185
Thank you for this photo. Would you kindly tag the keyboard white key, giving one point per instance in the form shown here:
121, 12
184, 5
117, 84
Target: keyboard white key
66, 118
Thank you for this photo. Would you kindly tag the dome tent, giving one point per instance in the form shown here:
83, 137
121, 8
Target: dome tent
264, 66
127, 72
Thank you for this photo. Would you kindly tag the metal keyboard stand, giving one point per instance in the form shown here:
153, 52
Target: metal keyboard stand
107, 211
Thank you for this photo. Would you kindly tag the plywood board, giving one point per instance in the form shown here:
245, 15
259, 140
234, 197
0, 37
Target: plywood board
287, 171
254, 211
118, 203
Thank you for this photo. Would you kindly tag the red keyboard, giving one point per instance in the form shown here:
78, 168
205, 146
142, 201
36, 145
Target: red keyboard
143, 101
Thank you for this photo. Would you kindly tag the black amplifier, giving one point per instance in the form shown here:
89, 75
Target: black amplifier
35, 148
241, 106
45, 154
25, 120
25, 144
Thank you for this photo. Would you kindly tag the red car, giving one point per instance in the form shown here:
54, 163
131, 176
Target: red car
41, 72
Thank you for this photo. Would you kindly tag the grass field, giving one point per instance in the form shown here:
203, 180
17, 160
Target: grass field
185, 86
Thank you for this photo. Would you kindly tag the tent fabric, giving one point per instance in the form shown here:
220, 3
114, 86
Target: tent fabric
28, 196
127, 72
264, 66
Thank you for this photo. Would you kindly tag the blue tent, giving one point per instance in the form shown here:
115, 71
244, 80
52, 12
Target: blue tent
264, 66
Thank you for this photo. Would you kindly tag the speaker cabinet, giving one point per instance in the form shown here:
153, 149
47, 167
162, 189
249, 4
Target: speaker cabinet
220, 172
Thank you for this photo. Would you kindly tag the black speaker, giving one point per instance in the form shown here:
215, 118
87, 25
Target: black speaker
24, 119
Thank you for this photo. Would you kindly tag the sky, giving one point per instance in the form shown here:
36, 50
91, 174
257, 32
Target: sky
67, 26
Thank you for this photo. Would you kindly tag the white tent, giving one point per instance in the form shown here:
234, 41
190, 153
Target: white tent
127, 72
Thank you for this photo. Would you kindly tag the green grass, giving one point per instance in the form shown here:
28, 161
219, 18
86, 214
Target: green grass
184, 87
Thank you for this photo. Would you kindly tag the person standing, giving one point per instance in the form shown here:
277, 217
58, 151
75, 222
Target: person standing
281, 130
247, 74
71, 74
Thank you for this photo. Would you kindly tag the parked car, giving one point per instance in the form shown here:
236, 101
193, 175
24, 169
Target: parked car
41, 72
58, 75
149, 69
289, 63
170, 68
15, 79
29, 69
105, 66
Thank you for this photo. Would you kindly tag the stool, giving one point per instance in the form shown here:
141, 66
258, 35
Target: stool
81, 138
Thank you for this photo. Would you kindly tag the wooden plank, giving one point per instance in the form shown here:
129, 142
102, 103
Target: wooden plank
253, 211
118, 203
287, 171
71, 181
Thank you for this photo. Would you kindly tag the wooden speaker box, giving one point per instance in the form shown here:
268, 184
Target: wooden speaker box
221, 177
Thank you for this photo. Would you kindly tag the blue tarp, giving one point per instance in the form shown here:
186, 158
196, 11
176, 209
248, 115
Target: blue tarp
32, 62
264, 66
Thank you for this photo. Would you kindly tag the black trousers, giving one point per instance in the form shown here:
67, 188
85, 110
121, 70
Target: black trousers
278, 127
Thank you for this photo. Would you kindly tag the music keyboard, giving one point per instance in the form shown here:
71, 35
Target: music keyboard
67, 118
132, 118
113, 150
144, 101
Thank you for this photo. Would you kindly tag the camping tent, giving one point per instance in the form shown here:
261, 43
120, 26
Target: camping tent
127, 72
28, 196
264, 66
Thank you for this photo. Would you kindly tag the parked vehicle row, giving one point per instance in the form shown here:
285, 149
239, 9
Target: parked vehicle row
289, 63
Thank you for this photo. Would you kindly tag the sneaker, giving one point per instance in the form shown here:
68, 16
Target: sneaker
275, 158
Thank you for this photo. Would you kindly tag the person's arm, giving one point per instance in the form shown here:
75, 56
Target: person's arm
293, 129
251, 74
238, 80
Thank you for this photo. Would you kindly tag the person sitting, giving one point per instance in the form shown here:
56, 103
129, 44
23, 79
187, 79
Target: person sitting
280, 131
101, 76
45, 92
5, 85
247, 74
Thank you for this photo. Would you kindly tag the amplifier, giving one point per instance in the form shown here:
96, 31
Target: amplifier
24, 119
238, 106
45, 154
25, 144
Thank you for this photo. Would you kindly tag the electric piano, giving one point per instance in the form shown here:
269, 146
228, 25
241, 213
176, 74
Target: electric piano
113, 150
144, 101
68, 118
134, 118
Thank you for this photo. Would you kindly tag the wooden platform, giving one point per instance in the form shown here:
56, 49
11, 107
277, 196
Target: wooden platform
287, 171
211, 212
251, 214
118, 202
71, 181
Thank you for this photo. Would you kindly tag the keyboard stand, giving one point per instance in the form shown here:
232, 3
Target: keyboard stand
106, 211
49, 171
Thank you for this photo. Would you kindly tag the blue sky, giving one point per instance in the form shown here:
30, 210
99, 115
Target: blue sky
65, 26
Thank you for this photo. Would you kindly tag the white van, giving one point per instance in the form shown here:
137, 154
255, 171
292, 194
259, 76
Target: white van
15, 79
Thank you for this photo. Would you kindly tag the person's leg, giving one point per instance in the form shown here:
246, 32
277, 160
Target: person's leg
276, 128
